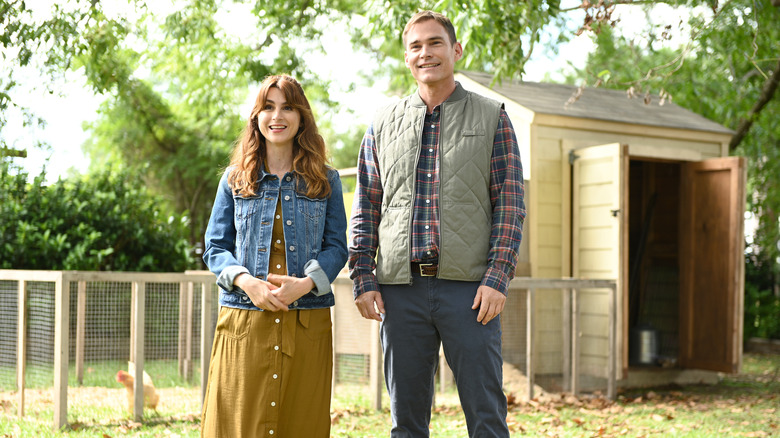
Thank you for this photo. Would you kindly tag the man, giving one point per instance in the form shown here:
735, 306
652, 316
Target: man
438, 215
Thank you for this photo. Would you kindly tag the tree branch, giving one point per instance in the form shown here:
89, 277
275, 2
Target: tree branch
9, 152
587, 4
767, 92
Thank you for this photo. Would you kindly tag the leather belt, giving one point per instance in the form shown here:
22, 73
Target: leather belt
425, 269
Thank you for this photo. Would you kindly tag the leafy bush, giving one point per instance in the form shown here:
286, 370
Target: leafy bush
762, 306
106, 221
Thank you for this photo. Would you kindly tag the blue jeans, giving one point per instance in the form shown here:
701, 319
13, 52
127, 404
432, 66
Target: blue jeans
418, 318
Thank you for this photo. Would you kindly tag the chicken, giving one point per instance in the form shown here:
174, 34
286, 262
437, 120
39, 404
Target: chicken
151, 397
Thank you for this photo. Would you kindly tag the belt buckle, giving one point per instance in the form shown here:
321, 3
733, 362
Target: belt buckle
426, 265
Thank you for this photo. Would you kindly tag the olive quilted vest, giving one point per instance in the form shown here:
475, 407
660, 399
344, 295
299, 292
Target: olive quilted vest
468, 126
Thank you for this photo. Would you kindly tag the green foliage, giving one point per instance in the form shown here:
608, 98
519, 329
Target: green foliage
497, 35
762, 306
174, 81
104, 222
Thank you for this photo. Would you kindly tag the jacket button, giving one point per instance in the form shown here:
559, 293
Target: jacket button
288, 178
295, 304
289, 222
292, 247
287, 197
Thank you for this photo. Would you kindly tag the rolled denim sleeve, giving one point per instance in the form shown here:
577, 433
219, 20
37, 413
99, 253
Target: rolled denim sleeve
220, 238
313, 270
331, 259
228, 275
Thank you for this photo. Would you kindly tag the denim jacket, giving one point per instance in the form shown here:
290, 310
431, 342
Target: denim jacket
238, 237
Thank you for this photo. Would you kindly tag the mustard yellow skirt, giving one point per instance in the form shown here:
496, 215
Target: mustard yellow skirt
270, 375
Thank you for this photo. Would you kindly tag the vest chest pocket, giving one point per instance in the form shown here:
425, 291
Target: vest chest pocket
473, 142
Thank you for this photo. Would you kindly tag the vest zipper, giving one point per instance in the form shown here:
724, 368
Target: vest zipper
420, 126
439, 191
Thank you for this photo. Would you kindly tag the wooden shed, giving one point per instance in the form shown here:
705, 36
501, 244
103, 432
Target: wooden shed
645, 194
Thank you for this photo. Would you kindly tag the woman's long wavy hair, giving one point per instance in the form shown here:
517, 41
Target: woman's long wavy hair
309, 152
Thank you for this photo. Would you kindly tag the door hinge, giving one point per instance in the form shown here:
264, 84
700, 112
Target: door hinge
572, 157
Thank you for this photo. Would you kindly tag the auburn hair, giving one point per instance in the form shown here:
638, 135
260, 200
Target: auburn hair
309, 152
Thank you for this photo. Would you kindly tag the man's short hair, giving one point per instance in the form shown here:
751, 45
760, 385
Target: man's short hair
431, 15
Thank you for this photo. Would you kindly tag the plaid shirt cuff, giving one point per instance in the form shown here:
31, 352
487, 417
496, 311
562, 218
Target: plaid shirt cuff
363, 283
497, 279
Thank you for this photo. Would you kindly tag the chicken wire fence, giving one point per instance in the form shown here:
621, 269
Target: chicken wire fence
172, 344
99, 336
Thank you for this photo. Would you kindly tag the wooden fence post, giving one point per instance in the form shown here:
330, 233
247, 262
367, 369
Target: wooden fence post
611, 367
181, 345
567, 339
188, 335
81, 317
575, 342
132, 323
529, 347
61, 335
21, 344
139, 304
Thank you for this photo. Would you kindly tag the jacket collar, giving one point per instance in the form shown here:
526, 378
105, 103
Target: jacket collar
263, 173
458, 94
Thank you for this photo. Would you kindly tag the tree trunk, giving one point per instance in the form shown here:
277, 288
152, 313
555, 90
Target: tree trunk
767, 92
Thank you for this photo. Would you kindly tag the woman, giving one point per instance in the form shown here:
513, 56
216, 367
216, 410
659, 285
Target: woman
276, 240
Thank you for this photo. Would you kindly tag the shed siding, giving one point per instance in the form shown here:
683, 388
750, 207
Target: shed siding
662, 144
549, 195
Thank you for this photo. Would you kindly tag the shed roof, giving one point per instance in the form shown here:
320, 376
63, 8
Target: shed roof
598, 104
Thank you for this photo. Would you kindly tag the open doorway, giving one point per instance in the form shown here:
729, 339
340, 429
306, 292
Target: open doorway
677, 256
653, 264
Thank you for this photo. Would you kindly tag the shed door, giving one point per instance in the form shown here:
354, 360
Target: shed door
712, 264
598, 244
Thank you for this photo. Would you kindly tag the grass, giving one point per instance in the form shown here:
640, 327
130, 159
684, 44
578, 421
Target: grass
745, 405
